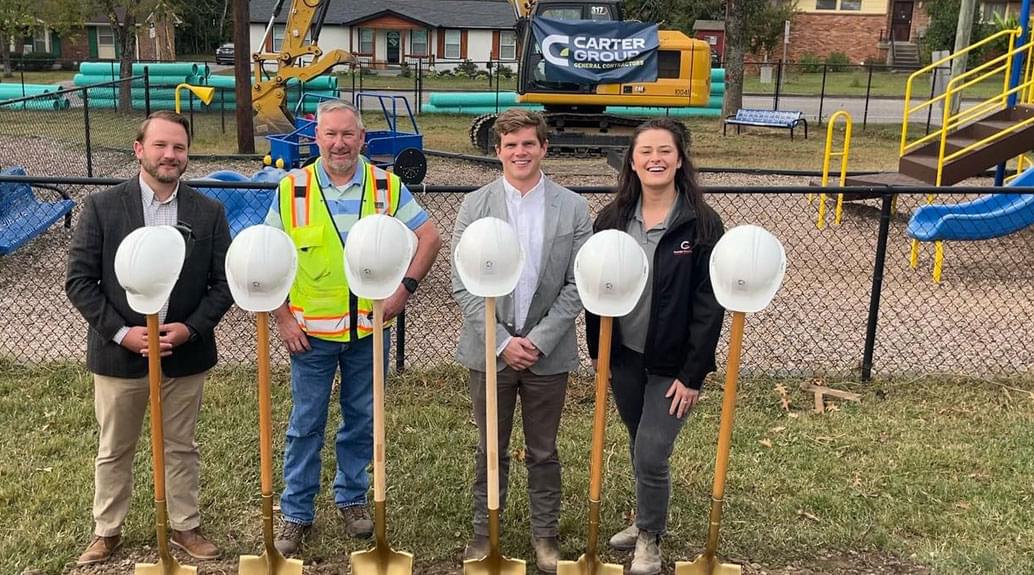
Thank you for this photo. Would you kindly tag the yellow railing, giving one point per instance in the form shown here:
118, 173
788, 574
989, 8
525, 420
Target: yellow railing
829, 154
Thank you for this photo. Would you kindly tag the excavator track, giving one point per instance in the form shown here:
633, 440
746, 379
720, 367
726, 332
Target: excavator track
571, 134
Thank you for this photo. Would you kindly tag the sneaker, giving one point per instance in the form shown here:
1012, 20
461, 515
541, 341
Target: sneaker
647, 558
357, 521
477, 548
547, 553
289, 540
195, 544
99, 550
625, 539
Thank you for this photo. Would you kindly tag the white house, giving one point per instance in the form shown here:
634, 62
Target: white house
442, 32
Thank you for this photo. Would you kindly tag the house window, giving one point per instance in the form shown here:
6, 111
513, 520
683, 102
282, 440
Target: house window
847, 5
105, 43
452, 44
989, 10
418, 42
854, 5
278, 37
507, 45
366, 41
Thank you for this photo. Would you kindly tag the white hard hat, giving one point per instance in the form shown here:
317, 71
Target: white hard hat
610, 271
377, 254
260, 268
747, 267
147, 265
489, 258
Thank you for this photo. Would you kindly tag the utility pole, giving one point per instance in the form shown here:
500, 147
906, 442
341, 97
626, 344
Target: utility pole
242, 74
963, 34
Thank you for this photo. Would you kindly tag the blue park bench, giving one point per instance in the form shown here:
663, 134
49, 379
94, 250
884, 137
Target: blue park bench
23, 216
767, 119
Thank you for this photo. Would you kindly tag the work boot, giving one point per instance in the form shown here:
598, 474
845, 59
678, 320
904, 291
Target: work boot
625, 539
477, 548
100, 549
647, 558
195, 544
547, 553
289, 540
357, 521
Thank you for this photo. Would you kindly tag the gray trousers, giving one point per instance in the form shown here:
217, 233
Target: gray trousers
542, 401
651, 431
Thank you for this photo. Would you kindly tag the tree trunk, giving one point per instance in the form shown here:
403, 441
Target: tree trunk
735, 42
124, 37
5, 54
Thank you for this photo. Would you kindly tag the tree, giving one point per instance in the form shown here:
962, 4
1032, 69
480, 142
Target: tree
15, 17
673, 14
750, 26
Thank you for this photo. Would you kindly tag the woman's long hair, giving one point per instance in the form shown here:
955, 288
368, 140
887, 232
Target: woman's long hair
621, 209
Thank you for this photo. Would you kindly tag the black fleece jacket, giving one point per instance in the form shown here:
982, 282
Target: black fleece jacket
685, 318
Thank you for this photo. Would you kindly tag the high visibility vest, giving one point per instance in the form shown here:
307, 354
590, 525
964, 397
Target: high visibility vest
320, 300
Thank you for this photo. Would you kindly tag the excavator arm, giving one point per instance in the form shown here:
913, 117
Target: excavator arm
300, 58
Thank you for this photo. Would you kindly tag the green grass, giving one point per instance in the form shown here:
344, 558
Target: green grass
853, 83
42, 77
934, 472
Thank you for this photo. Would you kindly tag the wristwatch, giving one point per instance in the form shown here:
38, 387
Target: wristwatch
410, 284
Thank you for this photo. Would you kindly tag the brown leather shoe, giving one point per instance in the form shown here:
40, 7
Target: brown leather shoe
99, 550
357, 521
195, 544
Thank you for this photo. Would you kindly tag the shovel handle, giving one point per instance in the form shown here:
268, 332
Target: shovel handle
378, 401
491, 411
154, 380
264, 404
599, 418
732, 373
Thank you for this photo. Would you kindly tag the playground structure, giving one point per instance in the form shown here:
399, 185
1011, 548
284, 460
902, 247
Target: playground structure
969, 141
391, 148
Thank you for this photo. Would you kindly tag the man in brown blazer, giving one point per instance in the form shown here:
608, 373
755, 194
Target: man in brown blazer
117, 339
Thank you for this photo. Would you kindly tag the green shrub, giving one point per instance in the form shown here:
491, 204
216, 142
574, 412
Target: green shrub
838, 62
467, 68
810, 63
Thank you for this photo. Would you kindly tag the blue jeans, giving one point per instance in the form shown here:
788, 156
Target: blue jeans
312, 376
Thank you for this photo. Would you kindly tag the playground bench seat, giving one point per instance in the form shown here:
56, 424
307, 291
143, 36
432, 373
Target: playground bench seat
23, 216
767, 119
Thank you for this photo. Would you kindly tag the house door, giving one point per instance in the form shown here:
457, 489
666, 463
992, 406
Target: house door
901, 21
394, 44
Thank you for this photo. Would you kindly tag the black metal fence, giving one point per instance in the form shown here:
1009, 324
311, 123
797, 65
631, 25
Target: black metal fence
850, 306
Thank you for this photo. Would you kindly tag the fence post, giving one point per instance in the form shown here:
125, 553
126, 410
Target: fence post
497, 66
929, 109
822, 93
222, 108
400, 342
86, 131
147, 92
868, 91
191, 114
877, 285
779, 82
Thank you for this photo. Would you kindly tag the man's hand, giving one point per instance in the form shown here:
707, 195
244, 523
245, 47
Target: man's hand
396, 302
291, 334
136, 342
520, 353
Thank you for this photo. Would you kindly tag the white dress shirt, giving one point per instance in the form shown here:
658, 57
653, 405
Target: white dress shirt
527, 214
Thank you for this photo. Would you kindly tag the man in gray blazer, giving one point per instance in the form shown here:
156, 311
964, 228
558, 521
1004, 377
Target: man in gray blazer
116, 343
535, 330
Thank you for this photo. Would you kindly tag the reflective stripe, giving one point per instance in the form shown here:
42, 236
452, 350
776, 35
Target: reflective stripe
331, 326
300, 213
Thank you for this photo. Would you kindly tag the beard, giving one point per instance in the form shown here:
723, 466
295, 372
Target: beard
340, 166
161, 170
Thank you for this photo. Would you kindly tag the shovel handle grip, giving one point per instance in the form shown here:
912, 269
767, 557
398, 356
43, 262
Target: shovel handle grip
491, 410
154, 380
264, 404
378, 401
732, 373
599, 418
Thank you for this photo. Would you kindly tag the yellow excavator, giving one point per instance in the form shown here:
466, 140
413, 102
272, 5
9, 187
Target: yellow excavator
577, 113
300, 58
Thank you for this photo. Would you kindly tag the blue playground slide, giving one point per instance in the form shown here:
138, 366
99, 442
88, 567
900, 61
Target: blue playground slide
244, 207
988, 217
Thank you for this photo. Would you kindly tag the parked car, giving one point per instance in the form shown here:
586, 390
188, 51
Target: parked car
224, 54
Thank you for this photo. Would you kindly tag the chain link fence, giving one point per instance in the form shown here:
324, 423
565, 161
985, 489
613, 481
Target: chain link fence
977, 320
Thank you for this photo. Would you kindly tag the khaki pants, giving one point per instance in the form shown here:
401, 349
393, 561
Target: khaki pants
120, 405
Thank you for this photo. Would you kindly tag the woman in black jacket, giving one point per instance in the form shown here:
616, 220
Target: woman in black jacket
665, 347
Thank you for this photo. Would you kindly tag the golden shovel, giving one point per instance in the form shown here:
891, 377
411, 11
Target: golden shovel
271, 562
166, 564
707, 563
493, 563
589, 563
382, 559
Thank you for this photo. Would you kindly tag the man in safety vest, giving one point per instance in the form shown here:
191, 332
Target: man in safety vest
325, 326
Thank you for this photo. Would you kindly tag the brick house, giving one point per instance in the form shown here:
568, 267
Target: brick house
155, 40
402, 31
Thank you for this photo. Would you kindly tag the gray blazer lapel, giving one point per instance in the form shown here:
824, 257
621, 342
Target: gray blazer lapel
187, 200
549, 224
132, 203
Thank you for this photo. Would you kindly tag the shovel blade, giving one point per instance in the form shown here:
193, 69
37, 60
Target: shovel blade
381, 561
269, 563
164, 566
705, 565
586, 565
494, 564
